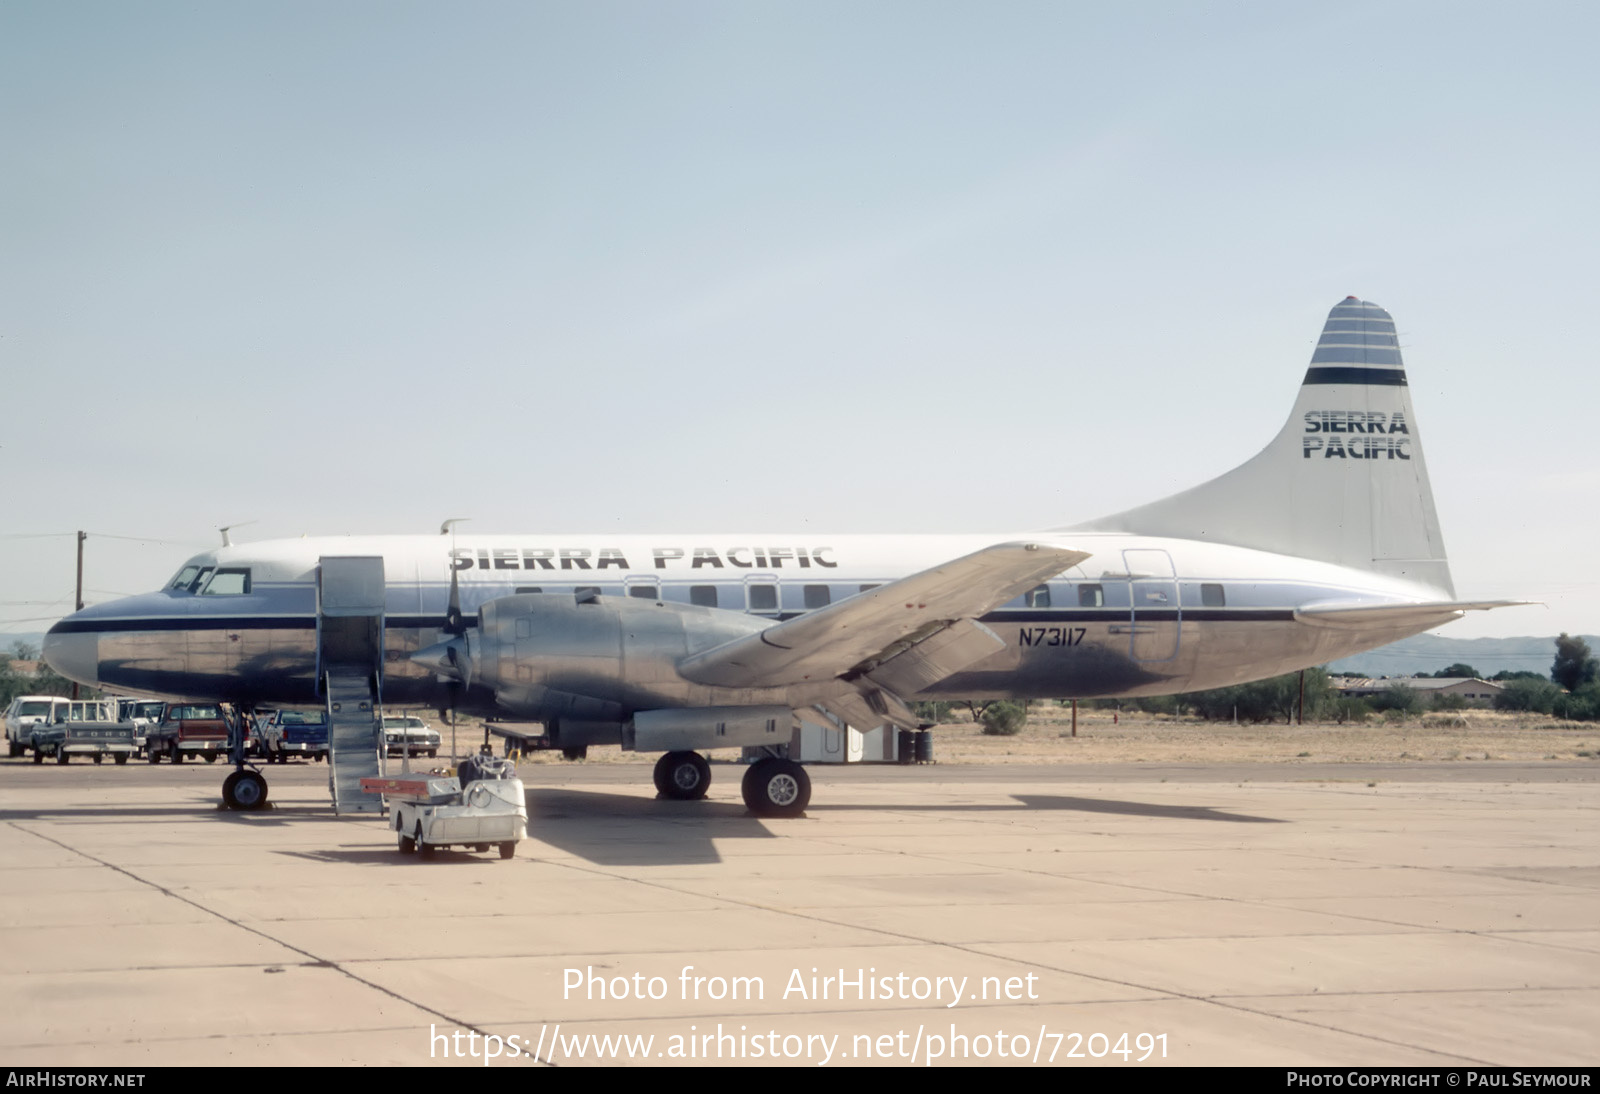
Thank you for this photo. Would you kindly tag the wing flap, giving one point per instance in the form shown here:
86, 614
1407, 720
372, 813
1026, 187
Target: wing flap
864, 630
1391, 614
931, 660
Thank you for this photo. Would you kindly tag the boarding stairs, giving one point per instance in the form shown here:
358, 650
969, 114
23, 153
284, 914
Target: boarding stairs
350, 605
355, 739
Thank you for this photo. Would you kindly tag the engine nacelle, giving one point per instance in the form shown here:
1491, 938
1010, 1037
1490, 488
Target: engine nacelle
598, 659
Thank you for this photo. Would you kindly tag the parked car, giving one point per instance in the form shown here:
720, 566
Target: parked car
406, 735
25, 712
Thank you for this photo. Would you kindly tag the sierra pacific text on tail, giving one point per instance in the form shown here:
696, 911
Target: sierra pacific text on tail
1323, 545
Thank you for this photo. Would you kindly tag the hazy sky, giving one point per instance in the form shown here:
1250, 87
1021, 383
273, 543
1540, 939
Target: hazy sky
847, 267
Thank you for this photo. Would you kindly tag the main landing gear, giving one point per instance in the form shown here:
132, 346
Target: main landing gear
772, 786
683, 776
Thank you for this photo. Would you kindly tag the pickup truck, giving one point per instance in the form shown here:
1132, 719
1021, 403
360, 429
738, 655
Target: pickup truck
26, 712
84, 727
187, 729
143, 713
295, 733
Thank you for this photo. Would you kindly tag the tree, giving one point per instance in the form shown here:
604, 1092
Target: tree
1003, 718
1574, 665
1457, 669
1538, 695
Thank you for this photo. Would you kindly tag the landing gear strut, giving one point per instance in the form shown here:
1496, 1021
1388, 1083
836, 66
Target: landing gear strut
246, 788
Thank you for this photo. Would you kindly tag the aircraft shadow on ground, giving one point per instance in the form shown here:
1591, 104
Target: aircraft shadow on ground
1054, 802
273, 814
627, 830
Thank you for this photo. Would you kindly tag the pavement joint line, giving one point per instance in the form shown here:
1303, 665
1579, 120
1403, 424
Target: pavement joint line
1157, 993
312, 959
1223, 1000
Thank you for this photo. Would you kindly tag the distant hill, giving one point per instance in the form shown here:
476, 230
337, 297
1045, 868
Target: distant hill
1428, 653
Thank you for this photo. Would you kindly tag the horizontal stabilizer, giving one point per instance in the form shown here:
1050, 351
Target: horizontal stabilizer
1421, 615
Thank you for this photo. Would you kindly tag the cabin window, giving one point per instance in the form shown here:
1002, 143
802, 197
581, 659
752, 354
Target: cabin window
529, 589
817, 596
645, 592
763, 597
1211, 596
1037, 597
868, 588
1091, 596
703, 595
227, 583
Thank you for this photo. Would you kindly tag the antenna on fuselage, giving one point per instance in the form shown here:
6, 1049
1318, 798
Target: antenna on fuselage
226, 528
448, 527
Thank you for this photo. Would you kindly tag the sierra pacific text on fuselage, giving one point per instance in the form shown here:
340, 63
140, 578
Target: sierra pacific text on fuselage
586, 558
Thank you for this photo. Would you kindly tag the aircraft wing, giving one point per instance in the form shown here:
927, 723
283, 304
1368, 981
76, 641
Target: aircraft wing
932, 611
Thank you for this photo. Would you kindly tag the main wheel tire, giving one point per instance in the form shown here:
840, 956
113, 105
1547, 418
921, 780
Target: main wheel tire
683, 776
776, 788
508, 848
245, 790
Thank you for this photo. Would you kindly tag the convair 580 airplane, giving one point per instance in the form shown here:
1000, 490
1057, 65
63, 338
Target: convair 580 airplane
1323, 545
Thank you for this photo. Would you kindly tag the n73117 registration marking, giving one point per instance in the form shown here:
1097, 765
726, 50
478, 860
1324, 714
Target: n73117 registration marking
1050, 636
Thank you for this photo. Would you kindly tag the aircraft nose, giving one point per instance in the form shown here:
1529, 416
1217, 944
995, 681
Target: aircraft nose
74, 654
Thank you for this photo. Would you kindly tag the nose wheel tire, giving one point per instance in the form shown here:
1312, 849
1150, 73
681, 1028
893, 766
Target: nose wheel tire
245, 790
683, 776
776, 788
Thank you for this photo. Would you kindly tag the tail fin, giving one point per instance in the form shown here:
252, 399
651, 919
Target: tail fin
1343, 482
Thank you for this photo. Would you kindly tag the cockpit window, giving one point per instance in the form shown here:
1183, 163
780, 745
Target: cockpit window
227, 583
185, 577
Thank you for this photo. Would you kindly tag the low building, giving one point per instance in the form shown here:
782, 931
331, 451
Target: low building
1469, 688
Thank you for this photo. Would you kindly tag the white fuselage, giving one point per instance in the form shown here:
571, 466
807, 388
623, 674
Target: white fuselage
1140, 616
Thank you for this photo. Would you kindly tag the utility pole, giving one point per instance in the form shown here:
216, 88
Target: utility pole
81, 537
